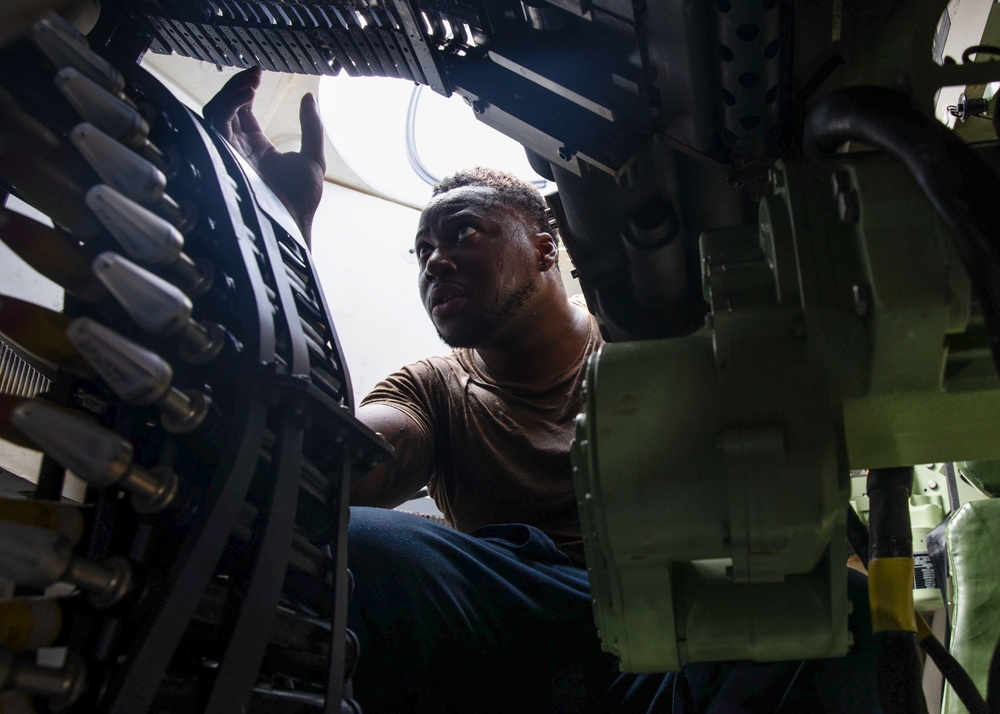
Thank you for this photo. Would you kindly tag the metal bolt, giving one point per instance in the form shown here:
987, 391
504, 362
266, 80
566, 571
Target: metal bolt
479, 107
848, 206
564, 153
863, 299
841, 182
932, 484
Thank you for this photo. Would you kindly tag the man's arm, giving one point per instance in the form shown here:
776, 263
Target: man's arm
396, 481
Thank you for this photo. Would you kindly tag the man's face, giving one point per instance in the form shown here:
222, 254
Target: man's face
478, 265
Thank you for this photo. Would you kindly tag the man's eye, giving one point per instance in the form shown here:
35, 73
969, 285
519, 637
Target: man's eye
465, 231
420, 251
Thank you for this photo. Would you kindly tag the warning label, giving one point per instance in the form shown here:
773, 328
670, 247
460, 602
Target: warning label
923, 572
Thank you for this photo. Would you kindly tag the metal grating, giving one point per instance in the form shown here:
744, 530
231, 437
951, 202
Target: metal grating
17, 377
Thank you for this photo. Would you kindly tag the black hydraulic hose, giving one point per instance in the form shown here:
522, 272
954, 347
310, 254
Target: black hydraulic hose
889, 534
962, 188
961, 683
890, 589
993, 683
857, 534
965, 689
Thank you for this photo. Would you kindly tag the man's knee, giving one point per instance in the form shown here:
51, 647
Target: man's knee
388, 556
386, 543
382, 531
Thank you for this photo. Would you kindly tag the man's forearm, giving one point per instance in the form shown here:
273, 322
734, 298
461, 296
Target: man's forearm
396, 481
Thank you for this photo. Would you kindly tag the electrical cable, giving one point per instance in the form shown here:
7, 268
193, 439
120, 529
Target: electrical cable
960, 186
950, 668
412, 155
857, 535
979, 49
993, 683
890, 591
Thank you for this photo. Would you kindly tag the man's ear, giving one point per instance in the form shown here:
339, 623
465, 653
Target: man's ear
548, 250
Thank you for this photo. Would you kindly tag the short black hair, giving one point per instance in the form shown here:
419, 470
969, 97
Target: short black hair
517, 191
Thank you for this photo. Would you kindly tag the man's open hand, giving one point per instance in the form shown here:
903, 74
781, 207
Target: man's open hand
295, 176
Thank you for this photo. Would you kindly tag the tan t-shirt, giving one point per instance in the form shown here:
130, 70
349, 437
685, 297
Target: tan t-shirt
501, 450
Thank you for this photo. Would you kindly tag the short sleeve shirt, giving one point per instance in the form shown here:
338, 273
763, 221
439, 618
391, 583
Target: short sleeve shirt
501, 448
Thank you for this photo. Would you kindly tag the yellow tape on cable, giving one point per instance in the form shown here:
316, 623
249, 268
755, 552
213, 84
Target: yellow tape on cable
890, 592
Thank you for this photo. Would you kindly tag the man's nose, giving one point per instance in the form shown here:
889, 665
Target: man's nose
439, 263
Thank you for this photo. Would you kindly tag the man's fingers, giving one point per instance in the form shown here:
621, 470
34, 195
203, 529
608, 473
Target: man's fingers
248, 120
312, 130
241, 80
237, 92
222, 109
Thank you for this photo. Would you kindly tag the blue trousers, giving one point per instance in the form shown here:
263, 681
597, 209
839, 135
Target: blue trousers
501, 621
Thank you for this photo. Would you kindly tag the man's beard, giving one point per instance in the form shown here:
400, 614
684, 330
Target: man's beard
477, 333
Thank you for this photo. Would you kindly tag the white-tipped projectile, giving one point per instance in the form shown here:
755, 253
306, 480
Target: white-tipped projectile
158, 306
137, 375
64, 49
37, 558
101, 108
118, 166
147, 238
99, 456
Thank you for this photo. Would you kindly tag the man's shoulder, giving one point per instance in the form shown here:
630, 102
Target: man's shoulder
434, 369
431, 383
455, 361
580, 301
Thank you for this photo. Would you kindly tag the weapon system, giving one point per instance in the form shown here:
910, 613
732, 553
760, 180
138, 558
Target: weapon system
795, 264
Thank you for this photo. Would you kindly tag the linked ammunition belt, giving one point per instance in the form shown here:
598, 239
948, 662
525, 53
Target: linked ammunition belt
308, 38
198, 389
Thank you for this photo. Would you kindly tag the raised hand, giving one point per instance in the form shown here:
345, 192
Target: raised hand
295, 176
